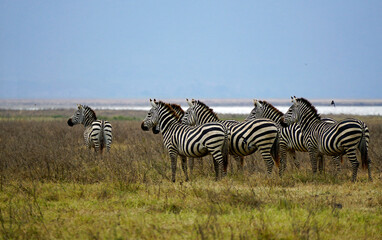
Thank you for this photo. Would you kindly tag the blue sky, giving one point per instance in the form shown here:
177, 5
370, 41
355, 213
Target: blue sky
190, 49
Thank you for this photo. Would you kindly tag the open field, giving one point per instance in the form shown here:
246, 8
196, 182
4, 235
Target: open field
52, 187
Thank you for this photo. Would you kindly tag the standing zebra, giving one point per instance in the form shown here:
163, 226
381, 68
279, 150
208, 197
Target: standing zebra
191, 119
333, 139
246, 137
180, 112
97, 133
291, 137
187, 141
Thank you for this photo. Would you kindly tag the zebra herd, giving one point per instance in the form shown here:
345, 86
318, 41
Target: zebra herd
199, 132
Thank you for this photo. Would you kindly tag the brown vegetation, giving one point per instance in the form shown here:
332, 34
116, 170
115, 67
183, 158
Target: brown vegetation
44, 165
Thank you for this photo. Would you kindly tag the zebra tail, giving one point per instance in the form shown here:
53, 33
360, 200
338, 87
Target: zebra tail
102, 137
275, 150
363, 148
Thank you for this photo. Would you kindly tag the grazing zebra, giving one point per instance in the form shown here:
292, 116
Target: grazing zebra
333, 139
246, 137
186, 141
98, 133
291, 137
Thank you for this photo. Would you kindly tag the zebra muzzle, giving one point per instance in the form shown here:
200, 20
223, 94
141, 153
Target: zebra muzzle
70, 123
144, 128
283, 123
155, 130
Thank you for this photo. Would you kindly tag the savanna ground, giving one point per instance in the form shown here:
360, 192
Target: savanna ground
52, 187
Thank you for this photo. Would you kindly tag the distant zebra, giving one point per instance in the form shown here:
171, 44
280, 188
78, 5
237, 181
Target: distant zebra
332, 139
246, 137
98, 133
187, 141
291, 137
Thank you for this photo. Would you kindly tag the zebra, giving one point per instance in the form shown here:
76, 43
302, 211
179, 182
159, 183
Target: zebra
191, 119
186, 141
98, 133
180, 112
246, 137
342, 137
291, 137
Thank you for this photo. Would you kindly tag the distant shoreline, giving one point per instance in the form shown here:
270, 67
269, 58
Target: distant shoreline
127, 103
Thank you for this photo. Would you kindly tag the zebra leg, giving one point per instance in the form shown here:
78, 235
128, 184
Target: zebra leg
337, 163
321, 165
173, 157
218, 164
240, 162
191, 164
295, 160
267, 157
313, 160
184, 167
368, 169
354, 162
283, 159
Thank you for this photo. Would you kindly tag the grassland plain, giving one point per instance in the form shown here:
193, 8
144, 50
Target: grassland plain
52, 187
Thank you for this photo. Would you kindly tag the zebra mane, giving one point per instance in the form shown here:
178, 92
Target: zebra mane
310, 105
177, 107
91, 113
169, 108
278, 112
208, 109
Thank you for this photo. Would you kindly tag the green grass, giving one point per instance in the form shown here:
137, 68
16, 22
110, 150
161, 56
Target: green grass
200, 209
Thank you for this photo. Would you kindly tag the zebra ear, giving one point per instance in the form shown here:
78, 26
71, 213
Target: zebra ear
294, 100
258, 104
153, 103
254, 102
189, 103
79, 106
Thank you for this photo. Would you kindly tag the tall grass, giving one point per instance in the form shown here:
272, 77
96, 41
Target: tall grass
52, 187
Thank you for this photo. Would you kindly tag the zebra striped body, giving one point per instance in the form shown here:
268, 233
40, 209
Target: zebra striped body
98, 133
291, 137
186, 141
246, 137
333, 139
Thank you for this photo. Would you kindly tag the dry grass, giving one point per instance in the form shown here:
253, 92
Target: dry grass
52, 187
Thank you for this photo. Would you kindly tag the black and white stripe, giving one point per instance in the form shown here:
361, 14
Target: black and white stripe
186, 141
291, 137
334, 139
98, 133
246, 137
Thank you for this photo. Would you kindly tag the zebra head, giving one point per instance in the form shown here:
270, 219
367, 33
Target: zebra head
301, 111
151, 119
189, 118
78, 116
291, 116
257, 111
